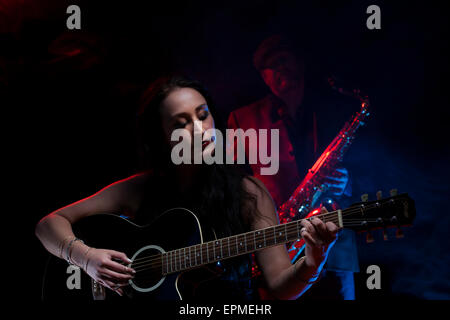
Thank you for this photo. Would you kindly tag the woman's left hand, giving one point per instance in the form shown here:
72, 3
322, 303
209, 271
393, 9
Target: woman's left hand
337, 182
319, 237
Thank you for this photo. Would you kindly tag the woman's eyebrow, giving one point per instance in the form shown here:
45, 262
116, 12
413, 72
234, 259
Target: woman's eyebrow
186, 114
201, 106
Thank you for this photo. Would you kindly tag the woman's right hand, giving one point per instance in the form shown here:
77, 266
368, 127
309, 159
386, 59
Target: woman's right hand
101, 266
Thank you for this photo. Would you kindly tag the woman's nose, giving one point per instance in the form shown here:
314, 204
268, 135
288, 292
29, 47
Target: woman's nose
198, 127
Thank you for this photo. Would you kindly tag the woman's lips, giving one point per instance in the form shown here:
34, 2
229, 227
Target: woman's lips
205, 144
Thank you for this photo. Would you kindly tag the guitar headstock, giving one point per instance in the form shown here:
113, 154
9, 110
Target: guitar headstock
393, 212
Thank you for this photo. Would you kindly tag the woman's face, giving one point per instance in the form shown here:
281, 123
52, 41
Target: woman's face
186, 108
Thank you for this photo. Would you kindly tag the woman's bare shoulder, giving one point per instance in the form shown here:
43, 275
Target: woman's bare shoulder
255, 186
128, 192
136, 180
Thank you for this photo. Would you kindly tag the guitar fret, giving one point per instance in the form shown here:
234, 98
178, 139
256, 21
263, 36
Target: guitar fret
274, 235
264, 236
279, 234
163, 263
182, 259
167, 262
213, 251
174, 260
195, 255
221, 254
242, 244
216, 244
189, 256
179, 256
259, 240
237, 248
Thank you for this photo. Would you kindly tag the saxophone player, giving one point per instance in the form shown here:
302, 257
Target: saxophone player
308, 115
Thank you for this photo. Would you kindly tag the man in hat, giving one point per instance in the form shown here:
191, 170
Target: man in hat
308, 114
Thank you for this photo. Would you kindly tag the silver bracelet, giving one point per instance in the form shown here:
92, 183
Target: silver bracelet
68, 248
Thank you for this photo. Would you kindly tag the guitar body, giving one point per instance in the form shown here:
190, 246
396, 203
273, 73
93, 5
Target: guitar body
175, 242
176, 228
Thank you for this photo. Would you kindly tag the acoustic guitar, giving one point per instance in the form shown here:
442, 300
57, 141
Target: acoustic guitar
172, 260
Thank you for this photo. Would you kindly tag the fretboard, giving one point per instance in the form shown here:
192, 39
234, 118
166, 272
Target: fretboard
220, 249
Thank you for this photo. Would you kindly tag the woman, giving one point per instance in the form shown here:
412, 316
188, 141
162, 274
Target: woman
226, 201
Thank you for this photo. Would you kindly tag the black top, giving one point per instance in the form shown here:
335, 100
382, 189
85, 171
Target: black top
235, 279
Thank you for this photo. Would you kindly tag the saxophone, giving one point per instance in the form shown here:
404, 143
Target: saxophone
306, 196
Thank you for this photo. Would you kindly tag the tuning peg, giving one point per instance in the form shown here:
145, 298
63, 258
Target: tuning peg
399, 233
385, 235
393, 192
379, 195
365, 197
369, 237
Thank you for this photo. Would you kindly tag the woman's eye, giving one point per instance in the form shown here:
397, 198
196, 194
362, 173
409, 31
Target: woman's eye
204, 115
180, 125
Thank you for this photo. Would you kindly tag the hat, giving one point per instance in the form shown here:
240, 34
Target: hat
268, 47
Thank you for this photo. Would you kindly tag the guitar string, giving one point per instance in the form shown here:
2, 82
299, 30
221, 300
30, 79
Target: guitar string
324, 215
176, 259
175, 269
172, 267
179, 258
345, 212
224, 247
293, 225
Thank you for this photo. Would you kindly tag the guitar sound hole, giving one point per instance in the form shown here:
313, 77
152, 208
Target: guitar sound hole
147, 263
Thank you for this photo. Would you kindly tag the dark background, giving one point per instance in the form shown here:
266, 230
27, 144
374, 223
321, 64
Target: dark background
73, 94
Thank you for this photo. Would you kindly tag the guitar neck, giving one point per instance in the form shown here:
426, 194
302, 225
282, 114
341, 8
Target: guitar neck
209, 252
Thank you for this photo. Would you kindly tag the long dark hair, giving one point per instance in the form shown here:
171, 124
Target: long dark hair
225, 204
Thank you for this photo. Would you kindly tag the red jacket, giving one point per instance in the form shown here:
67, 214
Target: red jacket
266, 114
